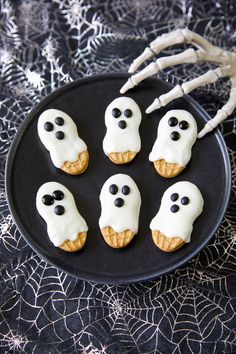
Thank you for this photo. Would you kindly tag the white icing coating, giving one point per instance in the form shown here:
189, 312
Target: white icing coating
179, 224
122, 140
178, 151
125, 217
60, 227
63, 150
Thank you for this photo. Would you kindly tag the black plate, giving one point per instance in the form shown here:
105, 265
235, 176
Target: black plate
29, 166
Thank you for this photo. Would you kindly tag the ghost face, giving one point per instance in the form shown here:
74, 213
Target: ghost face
177, 132
120, 202
181, 204
123, 113
58, 133
53, 199
122, 119
56, 205
54, 126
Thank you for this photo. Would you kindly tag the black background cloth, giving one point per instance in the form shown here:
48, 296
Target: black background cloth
44, 45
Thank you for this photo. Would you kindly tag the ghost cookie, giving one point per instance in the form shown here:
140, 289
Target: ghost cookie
172, 226
120, 203
59, 134
176, 134
65, 226
122, 141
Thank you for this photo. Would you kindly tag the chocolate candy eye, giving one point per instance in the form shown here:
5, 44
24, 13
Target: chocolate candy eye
122, 124
173, 122
113, 189
185, 200
119, 202
183, 125
116, 112
174, 136
47, 199
59, 210
125, 190
58, 195
174, 208
59, 121
128, 113
174, 197
60, 135
48, 126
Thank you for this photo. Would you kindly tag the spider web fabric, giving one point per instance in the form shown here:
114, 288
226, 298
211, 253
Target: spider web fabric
44, 45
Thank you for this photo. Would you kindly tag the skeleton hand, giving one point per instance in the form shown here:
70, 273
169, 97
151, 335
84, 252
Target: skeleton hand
206, 51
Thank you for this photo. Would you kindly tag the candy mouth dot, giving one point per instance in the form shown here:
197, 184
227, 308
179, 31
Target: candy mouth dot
175, 136
119, 202
59, 210
60, 135
122, 124
174, 208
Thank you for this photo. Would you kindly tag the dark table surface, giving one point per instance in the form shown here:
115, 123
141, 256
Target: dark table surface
44, 45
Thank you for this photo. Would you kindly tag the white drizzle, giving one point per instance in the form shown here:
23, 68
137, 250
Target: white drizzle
60, 227
174, 151
63, 150
179, 224
125, 217
122, 140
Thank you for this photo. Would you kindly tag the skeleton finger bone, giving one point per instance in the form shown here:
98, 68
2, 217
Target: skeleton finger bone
209, 77
188, 56
179, 36
160, 43
221, 114
206, 52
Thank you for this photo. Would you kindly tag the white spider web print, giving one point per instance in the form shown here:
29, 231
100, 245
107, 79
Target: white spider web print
44, 45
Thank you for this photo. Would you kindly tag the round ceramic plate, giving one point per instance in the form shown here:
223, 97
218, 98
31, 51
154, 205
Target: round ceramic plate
29, 166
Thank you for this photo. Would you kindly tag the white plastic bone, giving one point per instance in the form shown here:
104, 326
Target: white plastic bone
134, 80
156, 47
188, 56
179, 90
221, 114
160, 42
147, 54
163, 100
207, 78
206, 52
